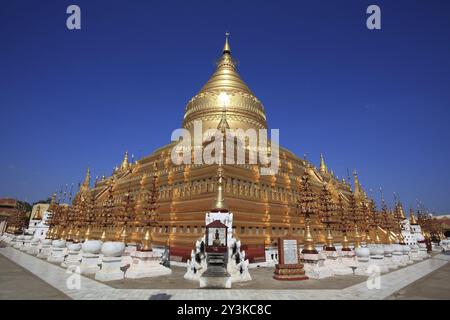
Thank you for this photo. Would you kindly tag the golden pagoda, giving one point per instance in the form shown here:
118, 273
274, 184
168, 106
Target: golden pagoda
264, 206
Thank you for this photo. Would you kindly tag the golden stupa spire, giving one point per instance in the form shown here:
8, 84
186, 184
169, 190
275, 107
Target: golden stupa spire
225, 89
38, 213
412, 219
226, 47
323, 168
356, 182
219, 204
87, 179
401, 212
53, 201
125, 162
225, 77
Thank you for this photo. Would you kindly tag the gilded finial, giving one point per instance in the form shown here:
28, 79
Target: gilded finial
125, 162
53, 201
412, 218
323, 168
401, 212
87, 179
226, 47
382, 197
356, 181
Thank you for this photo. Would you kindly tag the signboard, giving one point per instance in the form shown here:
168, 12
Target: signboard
289, 266
290, 251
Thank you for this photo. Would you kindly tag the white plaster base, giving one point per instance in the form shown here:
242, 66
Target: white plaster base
56, 255
8, 239
33, 249
348, 254
45, 252
309, 257
146, 264
397, 258
379, 261
18, 244
88, 263
424, 253
343, 265
127, 258
390, 262
331, 254
73, 258
415, 254
26, 246
363, 268
315, 271
110, 270
407, 259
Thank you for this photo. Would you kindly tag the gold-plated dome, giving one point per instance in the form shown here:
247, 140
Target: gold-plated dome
225, 77
225, 92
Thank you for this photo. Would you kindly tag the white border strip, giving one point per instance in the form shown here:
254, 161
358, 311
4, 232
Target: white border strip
92, 290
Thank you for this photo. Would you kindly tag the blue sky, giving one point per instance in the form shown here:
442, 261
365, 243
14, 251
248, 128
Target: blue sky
377, 101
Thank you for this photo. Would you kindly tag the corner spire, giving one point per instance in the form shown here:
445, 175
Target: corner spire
356, 181
226, 47
87, 179
401, 212
323, 168
412, 219
53, 201
125, 162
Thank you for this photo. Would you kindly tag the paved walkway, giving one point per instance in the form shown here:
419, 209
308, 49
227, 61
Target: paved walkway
18, 283
262, 278
435, 285
65, 282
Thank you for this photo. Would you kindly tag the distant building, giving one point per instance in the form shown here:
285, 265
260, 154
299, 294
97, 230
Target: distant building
445, 222
8, 208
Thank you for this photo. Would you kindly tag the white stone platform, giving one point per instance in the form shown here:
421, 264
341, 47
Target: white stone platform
146, 264
110, 270
91, 289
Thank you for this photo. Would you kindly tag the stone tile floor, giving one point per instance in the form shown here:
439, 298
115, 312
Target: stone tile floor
435, 285
348, 287
261, 279
18, 283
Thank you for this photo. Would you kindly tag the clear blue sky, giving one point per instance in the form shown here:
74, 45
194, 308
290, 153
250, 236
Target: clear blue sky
377, 101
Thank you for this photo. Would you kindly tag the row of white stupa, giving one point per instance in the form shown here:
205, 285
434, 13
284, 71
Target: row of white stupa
106, 260
369, 259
